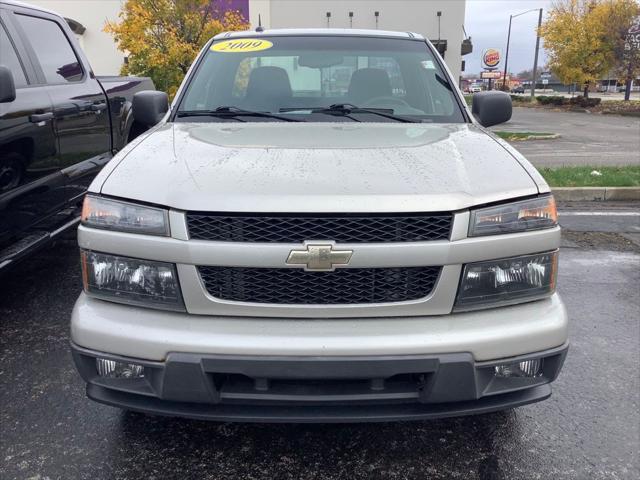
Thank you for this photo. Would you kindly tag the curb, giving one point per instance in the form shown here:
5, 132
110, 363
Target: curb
591, 194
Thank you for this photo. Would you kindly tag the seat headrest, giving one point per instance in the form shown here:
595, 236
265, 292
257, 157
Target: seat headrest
268, 88
368, 83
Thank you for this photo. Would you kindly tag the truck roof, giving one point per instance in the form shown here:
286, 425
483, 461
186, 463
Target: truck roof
28, 5
320, 32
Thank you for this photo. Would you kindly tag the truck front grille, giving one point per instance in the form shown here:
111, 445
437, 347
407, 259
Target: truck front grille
296, 228
297, 286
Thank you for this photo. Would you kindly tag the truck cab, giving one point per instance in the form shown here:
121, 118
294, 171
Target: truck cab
59, 125
319, 230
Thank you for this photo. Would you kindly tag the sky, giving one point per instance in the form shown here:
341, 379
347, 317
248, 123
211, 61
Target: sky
487, 22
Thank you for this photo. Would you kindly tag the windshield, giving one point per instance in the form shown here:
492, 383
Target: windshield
323, 78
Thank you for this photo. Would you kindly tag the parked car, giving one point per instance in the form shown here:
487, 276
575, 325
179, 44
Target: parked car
274, 250
59, 124
518, 89
475, 88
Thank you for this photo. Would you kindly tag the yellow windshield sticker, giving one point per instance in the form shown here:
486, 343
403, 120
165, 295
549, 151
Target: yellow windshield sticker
241, 45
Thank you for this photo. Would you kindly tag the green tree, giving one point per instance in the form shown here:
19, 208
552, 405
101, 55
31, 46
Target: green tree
162, 37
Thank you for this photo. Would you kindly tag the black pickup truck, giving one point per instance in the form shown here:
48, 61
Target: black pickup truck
59, 124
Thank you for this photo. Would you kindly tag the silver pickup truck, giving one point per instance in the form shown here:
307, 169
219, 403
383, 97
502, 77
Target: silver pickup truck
319, 230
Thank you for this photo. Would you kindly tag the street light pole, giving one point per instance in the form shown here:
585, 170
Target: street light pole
535, 59
506, 57
439, 14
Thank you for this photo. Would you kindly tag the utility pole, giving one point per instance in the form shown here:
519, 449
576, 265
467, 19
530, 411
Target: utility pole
506, 58
439, 14
535, 59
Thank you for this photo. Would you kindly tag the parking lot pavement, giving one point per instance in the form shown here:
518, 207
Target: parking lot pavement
589, 428
622, 218
585, 139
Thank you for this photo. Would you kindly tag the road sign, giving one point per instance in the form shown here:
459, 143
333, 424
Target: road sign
491, 75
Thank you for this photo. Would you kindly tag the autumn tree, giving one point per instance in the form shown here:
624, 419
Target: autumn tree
161, 38
586, 39
622, 26
573, 38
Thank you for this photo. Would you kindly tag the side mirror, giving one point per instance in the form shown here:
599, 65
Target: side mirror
7, 86
149, 107
491, 108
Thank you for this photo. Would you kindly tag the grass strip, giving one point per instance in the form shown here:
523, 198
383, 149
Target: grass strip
516, 136
586, 176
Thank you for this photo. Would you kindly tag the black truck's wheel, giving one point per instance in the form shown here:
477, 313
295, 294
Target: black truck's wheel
11, 171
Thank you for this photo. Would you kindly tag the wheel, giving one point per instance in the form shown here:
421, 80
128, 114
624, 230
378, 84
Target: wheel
11, 171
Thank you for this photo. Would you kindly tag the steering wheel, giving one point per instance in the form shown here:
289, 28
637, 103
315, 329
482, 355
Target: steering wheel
385, 101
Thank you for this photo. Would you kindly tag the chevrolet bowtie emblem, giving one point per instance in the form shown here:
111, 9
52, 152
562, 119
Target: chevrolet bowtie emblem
319, 257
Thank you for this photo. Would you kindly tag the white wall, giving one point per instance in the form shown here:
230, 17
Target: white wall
99, 46
404, 15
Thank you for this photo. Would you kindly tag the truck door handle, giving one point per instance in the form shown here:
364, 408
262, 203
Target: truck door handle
40, 117
98, 107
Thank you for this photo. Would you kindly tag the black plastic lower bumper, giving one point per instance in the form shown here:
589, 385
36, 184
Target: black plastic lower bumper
316, 413
318, 389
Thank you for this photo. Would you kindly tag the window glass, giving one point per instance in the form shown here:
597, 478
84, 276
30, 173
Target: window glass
9, 59
57, 59
301, 75
331, 81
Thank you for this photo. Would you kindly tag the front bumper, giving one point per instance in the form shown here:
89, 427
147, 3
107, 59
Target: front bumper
318, 389
153, 334
318, 370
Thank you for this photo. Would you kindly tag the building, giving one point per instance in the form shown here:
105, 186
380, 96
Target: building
435, 19
439, 20
87, 19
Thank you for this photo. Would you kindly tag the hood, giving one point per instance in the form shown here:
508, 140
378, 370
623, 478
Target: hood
317, 167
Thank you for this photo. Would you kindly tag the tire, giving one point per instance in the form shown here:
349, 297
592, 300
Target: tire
11, 171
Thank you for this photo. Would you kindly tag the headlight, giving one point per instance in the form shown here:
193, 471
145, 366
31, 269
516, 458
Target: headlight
507, 281
129, 280
99, 212
533, 214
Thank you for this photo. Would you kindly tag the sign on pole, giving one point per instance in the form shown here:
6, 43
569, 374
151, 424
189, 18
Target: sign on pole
491, 58
491, 75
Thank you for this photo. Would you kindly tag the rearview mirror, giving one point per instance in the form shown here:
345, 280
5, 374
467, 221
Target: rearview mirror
149, 107
491, 108
7, 86
320, 60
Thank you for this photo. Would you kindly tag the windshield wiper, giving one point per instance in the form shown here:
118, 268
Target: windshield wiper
348, 108
232, 112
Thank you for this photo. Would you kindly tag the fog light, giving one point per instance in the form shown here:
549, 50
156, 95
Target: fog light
526, 369
112, 369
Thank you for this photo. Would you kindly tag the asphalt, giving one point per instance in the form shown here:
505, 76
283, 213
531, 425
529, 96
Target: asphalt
588, 429
585, 139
